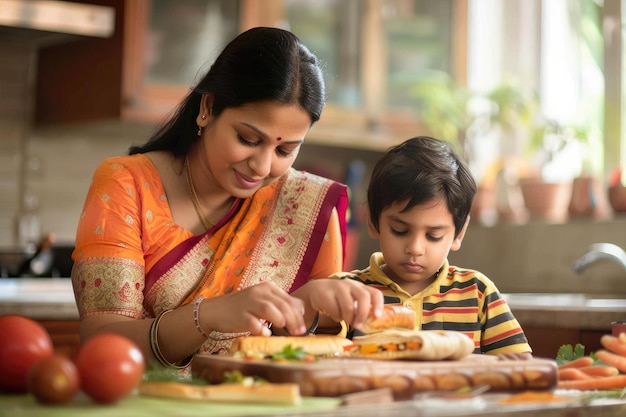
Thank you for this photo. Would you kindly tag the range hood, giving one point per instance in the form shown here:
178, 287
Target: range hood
50, 21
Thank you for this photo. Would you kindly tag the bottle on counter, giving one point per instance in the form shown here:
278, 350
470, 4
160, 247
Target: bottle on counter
40, 263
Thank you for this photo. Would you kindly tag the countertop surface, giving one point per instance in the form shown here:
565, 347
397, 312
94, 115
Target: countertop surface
53, 298
136, 406
39, 298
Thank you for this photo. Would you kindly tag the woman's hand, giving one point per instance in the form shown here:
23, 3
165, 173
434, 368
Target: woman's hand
342, 299
252, 310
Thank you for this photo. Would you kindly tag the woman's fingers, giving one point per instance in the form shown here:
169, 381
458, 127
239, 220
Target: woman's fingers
255, 309
277, 307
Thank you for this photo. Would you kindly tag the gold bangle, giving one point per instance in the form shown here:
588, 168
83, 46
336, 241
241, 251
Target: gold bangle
154, 345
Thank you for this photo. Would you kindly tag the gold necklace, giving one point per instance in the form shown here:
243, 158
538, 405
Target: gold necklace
194, 198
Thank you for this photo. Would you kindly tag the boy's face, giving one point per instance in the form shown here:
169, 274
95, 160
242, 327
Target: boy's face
415, 243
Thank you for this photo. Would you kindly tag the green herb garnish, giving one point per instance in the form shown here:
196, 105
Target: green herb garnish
289, 353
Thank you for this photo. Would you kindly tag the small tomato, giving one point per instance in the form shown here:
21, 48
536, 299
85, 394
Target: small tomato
53, 380
109, 366
23, 342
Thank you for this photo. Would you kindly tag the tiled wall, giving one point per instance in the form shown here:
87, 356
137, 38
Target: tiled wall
537, 257
15, 114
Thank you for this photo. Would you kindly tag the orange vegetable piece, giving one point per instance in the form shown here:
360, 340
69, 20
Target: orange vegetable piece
570, 374
599, 370
413, 345
602, 383
612, 359
392, 347
368, 348
578, 362
614, 344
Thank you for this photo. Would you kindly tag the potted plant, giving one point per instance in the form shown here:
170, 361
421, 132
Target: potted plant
452, 112
562, 184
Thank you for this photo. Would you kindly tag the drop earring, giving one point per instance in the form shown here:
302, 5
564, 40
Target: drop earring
199, 131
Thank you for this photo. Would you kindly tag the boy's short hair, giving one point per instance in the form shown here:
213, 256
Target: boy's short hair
418, 170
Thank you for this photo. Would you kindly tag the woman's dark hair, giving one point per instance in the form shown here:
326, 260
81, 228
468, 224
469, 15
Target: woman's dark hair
417, 171
261, 64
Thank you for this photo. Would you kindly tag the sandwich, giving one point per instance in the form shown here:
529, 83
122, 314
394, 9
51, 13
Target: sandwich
289, 347
261, 393
394, 316
411, 344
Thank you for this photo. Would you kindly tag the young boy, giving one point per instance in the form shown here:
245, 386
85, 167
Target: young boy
419, 199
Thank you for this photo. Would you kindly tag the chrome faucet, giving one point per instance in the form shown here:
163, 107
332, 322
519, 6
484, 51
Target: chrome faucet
597, 252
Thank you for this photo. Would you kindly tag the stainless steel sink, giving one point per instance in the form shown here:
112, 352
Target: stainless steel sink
574, 301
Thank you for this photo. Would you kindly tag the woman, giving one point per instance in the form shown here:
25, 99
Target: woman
206, 232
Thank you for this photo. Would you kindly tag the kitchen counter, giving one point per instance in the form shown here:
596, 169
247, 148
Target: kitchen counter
568, 311
53, 298
26, 406
38, 298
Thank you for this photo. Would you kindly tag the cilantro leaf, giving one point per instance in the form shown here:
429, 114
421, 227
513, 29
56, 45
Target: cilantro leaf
567, 353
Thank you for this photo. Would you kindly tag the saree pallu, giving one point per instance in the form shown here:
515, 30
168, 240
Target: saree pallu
131, 258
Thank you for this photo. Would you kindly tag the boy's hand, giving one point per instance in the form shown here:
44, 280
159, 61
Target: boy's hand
342, 300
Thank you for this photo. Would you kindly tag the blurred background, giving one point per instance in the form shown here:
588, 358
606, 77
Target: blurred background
530, 92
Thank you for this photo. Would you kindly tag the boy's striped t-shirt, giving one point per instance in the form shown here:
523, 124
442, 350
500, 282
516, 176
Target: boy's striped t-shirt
459, 299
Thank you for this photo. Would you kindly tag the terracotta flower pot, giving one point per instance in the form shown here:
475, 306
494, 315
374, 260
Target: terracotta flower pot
588, 198
617, 198
546, 201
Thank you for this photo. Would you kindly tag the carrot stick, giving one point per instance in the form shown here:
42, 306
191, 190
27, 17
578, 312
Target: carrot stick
613, 344
599, 370
578, 363
570, 374
612, 359
622, 337
603, 383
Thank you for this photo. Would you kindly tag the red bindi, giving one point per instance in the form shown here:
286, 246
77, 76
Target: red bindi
279, 138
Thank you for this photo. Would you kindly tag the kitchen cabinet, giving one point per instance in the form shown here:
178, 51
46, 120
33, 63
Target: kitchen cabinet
159, 47
80, 80
545, 341
65, 335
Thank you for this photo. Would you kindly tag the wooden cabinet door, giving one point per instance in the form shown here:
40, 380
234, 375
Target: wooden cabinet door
65, 335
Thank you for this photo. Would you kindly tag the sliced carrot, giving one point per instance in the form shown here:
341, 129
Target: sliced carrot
612, 359
599, 370
603, 383
570, 374
392, 347
368, 348
578, 362
413, 345
613, 344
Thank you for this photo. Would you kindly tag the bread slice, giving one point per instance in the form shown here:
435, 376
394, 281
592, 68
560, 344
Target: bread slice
263, 393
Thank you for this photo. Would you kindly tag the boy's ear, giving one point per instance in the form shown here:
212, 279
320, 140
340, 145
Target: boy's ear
456, 243
371, 230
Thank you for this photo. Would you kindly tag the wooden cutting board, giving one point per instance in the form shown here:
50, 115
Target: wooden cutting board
335, 377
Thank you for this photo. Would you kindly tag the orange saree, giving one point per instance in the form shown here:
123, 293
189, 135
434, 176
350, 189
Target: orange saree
132, 259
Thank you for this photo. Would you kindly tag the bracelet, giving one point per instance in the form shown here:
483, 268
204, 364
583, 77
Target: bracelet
196, 319
154, 345
215, 335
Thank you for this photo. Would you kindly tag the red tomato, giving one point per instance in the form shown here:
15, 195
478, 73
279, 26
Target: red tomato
23, 342
109, 366
53, 380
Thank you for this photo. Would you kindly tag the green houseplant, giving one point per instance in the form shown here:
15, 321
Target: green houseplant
452, 112
541, 162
